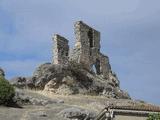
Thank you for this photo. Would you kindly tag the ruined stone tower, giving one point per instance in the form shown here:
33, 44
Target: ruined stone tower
82, 70
60, 50
85, 51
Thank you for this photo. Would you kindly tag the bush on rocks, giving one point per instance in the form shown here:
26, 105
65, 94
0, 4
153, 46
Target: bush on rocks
154, 116
2, 72
7, 92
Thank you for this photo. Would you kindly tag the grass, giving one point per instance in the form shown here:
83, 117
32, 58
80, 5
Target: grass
29, 112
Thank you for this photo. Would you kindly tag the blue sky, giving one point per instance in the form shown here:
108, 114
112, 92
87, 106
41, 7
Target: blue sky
130, 36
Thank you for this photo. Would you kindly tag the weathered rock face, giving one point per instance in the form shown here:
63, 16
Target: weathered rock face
2, 72
20, 82
75, 79
23, 82
21, 98
71, 79
46, 72
77, 114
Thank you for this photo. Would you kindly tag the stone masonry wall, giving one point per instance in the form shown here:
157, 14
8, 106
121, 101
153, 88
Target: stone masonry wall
88, 41
88, 47
61, 50
85, 51
105, 67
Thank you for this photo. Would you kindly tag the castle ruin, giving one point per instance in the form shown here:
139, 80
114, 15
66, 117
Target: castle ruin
81, 70
86, 50
61, 50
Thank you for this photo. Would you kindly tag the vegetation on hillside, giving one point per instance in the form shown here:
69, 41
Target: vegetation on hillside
154, 116
7, 92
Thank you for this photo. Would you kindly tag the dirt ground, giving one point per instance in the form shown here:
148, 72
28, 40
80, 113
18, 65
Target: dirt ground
50, 111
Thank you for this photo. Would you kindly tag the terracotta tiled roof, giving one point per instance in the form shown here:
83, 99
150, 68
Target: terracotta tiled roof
138, 108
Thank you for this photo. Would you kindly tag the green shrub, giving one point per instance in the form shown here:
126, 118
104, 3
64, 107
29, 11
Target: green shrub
154, 116
7, 92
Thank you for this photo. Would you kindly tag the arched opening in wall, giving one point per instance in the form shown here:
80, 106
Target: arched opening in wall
96, 67
90, 37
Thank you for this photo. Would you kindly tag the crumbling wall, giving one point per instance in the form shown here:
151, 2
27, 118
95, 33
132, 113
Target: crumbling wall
60, 50
87, 49
88, 43
105, 67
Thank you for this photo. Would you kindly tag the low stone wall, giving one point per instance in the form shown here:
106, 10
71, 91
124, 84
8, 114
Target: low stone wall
127, 117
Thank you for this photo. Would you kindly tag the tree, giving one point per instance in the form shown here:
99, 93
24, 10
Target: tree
154, 116
7, 92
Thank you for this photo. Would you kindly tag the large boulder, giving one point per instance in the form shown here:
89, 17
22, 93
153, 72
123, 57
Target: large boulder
23, 82
22, 98
77, 114
19, 82
46, 72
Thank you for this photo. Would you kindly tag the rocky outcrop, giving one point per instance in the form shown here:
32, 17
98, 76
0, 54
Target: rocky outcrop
77, 114
19, 82
71, 79
23, 98
23, 82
